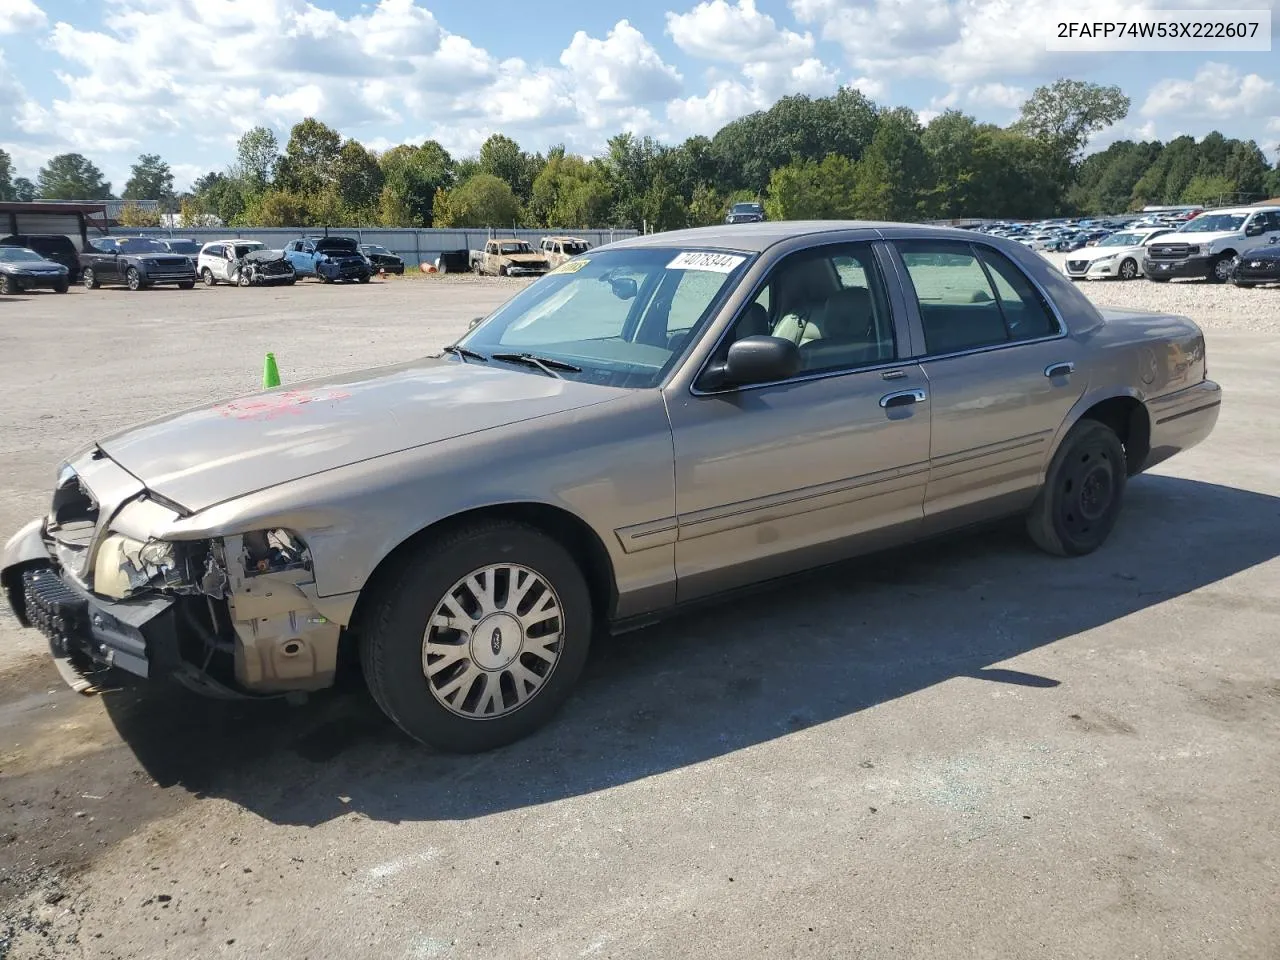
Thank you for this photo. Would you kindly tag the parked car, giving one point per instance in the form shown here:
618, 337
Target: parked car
382, 259
23, 269
686, 414
508, 258
219, 261
329, 259
183, 245
1115, 257
52, 246
556, 250
1205, 245
745, 213
136, 262
1261, 265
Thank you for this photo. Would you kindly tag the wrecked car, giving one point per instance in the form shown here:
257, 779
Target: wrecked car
330, 259
660, 421
244, 263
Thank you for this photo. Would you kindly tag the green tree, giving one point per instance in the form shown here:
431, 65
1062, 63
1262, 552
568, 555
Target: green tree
502, 157
281, 208
6, 176
570, 193
70, 176
411, 175
706, 207
357, 185
257, 153
150, 179
307, 166
893, 177
812, 190
24, 190
1066, 113
1210, 191
134, 215
482, 201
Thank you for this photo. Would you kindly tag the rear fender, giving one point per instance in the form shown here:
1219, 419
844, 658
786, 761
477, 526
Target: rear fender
1087, 401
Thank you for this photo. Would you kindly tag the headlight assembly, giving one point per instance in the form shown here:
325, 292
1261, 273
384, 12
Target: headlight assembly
125, 566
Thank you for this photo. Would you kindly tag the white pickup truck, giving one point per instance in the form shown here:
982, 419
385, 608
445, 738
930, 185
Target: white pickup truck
1206, 245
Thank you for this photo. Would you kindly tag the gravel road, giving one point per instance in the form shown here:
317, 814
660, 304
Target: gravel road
964, 749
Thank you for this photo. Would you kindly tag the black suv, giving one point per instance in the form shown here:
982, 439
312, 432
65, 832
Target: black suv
52, 246
745, 213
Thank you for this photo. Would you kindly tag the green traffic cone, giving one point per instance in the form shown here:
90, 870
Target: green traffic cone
270, 372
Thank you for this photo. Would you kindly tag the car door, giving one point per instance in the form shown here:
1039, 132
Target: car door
776, 477
1002, 375
102, 260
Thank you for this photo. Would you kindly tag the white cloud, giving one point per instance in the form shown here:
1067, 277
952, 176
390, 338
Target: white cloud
737, 33
1217, 90
996, 95
621, 68
17, 16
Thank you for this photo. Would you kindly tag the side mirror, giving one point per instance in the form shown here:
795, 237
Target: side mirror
758, 359
624, 288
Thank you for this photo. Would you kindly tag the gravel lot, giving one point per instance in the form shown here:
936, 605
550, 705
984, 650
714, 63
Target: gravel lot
968, 749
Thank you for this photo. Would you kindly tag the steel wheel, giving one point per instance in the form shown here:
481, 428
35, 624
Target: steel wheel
492, 641
1222, 269
1079, 503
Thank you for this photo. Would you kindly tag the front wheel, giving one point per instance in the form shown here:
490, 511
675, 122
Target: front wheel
1158, 279
1128, 269
133, 279
1244, 284
62, 286
1078, 505
365, 278
480, 639
1221, 270
8, 286
186, 284
244, 278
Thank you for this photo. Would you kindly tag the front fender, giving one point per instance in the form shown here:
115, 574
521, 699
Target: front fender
24, 549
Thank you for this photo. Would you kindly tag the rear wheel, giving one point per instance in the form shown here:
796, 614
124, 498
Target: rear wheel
480, 639
207, 276
89, 280
133, 279
1078, 505
1128, 269
8, 286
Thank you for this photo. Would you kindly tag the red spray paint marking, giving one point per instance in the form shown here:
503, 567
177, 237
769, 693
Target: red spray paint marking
275, 405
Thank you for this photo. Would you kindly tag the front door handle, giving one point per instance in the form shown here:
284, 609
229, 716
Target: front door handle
903, 398
1064, 369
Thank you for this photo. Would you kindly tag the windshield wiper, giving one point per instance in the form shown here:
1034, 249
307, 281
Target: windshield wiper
465, 354
548, 365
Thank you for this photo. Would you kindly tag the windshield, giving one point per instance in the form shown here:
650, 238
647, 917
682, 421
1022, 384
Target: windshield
623, 316
1121, 240
140, 245
184, 246
746, 208
516, 248
244, 249
18, 253
1213, 223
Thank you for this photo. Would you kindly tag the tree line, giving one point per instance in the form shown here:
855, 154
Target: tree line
841, 156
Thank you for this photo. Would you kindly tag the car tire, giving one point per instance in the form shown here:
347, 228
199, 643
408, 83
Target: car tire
1243, 284
133, 279
1159, 279
468, 702
502, 271
1220, 269
8, 287
186, 284
365, 278
479, 270
206, 275
1076, 509
62, 286
1128, 269
88, 280
243, 279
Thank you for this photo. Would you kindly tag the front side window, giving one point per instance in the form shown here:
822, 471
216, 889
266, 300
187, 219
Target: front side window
622, 316
829, 301
970, 300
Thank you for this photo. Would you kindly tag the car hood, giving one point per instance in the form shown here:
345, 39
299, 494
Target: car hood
223, 450
12, 266
1104, 253
1197, 238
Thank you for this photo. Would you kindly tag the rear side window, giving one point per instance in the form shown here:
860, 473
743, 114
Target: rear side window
971, 297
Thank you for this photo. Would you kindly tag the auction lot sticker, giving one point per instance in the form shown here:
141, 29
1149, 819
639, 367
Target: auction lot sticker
715, 262
571, 266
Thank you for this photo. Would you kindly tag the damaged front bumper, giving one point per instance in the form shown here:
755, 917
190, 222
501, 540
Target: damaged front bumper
235, 616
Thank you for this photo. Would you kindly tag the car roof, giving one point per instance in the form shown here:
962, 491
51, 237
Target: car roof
757, 237
1240, 211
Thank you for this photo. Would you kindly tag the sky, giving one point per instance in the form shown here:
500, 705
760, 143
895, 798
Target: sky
184, 78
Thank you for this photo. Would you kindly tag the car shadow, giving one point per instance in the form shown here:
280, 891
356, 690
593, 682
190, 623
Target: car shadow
824, 646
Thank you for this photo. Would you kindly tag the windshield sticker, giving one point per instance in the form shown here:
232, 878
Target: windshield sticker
715, 262
571, 266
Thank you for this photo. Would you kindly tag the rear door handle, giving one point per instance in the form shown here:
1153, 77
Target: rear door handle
903, 398
1063, 369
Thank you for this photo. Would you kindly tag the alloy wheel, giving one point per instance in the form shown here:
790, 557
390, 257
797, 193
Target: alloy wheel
492, 641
